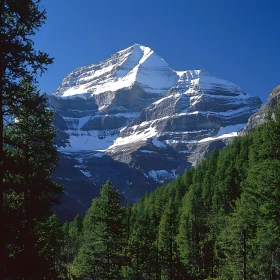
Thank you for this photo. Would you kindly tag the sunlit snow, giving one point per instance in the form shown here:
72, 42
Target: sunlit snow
89, 140
158, 175
134, 65
139, 65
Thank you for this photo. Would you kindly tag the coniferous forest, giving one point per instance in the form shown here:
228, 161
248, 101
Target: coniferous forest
219, 220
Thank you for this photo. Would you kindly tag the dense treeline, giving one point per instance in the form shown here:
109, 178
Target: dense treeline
220, 220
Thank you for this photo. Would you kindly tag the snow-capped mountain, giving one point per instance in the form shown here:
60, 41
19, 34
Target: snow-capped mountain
136, 65
135, 120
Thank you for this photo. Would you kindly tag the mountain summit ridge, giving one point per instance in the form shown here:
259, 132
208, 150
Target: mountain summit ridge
123, 69
135, 64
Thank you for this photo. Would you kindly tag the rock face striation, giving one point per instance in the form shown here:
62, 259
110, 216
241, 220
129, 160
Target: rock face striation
259, 117
134, 120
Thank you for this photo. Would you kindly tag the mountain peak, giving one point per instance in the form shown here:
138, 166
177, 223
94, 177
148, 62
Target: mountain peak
141, 66
142, 47
136, 64
138, 48
143, 118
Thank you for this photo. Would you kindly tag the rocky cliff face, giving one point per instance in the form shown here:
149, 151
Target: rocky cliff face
135, 120
259, 117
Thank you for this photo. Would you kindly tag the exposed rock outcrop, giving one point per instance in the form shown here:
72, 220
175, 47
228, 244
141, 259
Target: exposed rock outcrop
259, 117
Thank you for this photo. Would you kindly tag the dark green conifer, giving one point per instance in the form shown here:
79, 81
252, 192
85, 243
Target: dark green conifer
30, 160
101, 255
19, 20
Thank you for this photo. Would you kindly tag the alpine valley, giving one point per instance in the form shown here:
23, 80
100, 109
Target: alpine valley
136, 121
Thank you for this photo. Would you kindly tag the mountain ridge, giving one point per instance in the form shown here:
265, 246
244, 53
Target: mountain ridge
135, 120
120, 70
259, 117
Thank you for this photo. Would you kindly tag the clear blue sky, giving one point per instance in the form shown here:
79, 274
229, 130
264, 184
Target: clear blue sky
237, 40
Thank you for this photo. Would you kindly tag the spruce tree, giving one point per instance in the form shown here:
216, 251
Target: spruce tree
30, 160
75, 229
167, 246
50, 242
19, 21
101, 256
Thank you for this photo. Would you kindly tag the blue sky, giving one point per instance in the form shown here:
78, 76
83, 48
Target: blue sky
237, 40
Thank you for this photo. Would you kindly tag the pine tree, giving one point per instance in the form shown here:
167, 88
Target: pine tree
50, 242
127, 270
102, 256
72, 241
167, 246
30, 160
187, 239
75, 229
19, 20
140, 250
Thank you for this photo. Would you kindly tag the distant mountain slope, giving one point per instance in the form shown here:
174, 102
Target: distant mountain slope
259, 116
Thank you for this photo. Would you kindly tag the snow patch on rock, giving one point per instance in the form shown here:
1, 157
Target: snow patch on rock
158, 175
86, 173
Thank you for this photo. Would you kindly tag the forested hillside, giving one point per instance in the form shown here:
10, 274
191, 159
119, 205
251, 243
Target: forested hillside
220, 220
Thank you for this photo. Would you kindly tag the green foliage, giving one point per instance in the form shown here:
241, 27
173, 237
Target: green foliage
101, 255
30, 160
72, 233
50, 242
167, 246
31, 156
27, 154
